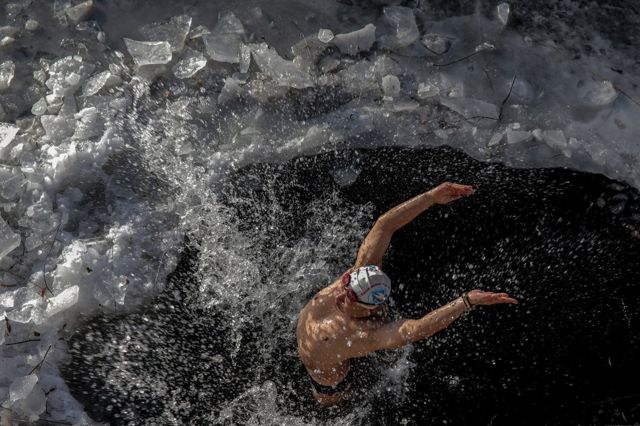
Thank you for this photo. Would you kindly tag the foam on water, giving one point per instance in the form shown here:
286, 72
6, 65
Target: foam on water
116, 143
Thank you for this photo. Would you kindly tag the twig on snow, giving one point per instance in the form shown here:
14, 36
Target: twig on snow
504, 101
39, 365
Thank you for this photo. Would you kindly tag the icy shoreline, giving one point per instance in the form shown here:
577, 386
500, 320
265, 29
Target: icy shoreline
108, 158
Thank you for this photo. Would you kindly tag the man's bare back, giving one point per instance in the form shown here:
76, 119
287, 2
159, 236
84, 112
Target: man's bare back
343, 321
327, 336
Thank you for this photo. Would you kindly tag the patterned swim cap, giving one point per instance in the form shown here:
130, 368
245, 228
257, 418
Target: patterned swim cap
370, 285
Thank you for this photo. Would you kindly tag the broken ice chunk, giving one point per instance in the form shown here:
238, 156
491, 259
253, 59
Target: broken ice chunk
231, 90
403, 23
39, 216
95, 83
325, 35
7, 134
73, 79
503, 10
151, 72
189, 64
223, 47
12, 181
427, 90
79, 12
537, 134
224, 44
113, 80
33, 405
31, 25
484, 46
69, 106
199, 31
356, 41
404, 106
9, 240
391, 86
7, 71
21, 387
328, 64
245, 58
556, 139
148, 52
6, 41
284, 72
346, 176
174, 31
8, 31
40, 76
308, 50
89, 123
32, 242
66, 74
40, 107
54, 103
600, 93
471, 108
228, 23
62, 301
495, 139
518, 136
57, 127
436, 43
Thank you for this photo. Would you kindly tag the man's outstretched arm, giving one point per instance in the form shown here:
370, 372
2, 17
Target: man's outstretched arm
399, 333
377, 241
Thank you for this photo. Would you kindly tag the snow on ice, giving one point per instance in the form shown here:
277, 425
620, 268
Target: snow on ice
86, 141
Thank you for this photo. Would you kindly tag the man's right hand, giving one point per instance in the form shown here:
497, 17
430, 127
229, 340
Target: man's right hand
479, 297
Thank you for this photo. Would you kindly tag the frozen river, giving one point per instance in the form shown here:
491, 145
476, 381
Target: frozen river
178, 178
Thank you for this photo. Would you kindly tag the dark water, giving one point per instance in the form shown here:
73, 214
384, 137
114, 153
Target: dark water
565, 243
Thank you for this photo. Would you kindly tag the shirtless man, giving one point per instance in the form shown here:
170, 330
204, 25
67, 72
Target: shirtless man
345, 320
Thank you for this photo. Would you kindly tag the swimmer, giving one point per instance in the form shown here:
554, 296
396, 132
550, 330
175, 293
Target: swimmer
347, 319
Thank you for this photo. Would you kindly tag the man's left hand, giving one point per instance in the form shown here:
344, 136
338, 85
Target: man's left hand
448, 192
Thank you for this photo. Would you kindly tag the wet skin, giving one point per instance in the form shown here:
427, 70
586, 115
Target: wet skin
332, 329
328, 337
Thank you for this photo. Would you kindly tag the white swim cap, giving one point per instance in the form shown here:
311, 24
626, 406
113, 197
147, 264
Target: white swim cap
370, 285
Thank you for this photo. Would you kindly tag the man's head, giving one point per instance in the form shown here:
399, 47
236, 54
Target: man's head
367, 286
